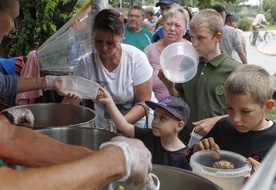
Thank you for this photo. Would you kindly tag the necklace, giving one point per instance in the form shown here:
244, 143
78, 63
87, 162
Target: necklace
109, 126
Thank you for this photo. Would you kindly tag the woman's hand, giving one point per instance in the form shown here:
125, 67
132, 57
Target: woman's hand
55, 83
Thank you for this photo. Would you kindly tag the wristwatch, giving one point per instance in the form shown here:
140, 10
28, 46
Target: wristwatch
8, 116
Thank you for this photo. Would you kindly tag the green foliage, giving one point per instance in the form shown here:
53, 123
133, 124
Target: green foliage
38, 20
269, 7
80, 4
203, 4
244, 23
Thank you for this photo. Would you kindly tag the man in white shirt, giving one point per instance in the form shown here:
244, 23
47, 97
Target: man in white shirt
258, 20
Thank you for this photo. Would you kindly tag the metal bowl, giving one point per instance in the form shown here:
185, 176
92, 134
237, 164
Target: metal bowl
60, 115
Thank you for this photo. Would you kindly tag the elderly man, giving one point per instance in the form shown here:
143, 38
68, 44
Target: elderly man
135, 34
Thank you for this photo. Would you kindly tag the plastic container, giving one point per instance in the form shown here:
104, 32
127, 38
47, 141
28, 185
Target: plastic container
179, 62
194, 138
229, 179
82, 87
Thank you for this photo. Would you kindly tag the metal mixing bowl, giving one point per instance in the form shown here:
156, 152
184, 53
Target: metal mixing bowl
60, 115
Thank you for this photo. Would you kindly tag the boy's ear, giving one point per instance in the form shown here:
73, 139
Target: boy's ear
180, 126
269, 105
219, 36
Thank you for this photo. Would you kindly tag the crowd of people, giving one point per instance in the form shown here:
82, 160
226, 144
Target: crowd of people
155, 115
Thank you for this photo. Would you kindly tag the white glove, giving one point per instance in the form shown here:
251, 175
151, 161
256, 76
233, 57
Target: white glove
53, 82
19, 116
137, 156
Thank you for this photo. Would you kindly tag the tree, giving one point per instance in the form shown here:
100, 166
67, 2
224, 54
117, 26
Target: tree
38, 20
203, 4
269, 7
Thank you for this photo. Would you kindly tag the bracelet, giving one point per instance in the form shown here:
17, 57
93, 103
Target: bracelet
36, 83
8, 116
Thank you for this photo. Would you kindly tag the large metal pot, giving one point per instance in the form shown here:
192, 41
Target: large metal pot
60, 115
178, 179
172, 178
89, 137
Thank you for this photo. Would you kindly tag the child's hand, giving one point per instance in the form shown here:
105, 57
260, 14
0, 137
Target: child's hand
254, 163
103, 96
169, 84
206, 144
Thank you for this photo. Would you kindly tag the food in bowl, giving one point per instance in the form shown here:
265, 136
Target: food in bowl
223, 164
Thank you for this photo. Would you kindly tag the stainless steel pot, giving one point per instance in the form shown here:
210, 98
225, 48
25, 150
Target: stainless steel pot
172, 178
60, 115
89, 137
178, 179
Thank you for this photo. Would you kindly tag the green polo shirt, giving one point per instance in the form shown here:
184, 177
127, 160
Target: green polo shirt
205, 92
138, 39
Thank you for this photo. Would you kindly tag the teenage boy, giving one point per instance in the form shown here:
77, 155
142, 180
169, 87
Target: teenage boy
204, 93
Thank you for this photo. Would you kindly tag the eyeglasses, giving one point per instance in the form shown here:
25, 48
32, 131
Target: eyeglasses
134, 16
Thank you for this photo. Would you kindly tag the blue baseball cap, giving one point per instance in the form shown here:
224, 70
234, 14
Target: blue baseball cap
167, 2
174, 105
230, 16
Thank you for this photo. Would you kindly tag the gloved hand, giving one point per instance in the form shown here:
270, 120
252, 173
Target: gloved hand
138, 159
55, 82
19, 116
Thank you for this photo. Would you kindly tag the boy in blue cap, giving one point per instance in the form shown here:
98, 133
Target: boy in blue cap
170, 116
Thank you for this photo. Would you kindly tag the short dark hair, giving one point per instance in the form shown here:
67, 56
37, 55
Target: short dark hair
138, 7
111, 20
218, 8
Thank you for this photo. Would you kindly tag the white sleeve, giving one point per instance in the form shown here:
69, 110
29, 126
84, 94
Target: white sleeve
143, 69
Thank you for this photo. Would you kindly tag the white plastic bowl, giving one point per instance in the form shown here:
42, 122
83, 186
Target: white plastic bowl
179, 62
229, 179
82, 87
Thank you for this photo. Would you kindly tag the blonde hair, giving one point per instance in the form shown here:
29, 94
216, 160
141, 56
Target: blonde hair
178, 10
209, 19
251, 80
7, 4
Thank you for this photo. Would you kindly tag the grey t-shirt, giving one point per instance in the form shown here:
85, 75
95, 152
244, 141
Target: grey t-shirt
230, 41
